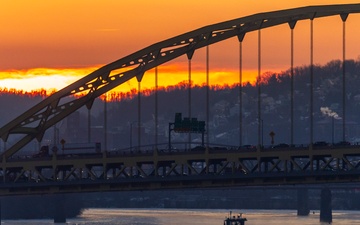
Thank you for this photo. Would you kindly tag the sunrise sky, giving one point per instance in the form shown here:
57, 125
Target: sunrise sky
50, 44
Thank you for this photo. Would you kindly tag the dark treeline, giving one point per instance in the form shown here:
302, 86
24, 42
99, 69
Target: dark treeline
14, 102
122, 108
275, 106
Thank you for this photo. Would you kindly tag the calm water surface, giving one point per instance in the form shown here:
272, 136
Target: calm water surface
195, 217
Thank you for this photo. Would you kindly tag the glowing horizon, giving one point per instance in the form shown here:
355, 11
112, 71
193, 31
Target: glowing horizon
53, 79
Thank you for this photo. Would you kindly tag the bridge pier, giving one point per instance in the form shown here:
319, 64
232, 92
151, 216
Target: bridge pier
325, 206
59, 209
303, 202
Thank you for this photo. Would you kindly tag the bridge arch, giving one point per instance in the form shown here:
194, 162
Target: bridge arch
33, 123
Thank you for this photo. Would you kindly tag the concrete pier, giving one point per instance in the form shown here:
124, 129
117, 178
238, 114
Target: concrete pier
303, 202
325, 206
59, 209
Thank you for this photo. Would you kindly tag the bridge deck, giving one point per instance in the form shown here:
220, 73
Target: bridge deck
204, 167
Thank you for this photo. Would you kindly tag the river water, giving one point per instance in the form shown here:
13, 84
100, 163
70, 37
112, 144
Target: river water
195, 217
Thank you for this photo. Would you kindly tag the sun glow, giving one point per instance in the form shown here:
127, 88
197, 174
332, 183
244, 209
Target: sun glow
48, 79
51, 80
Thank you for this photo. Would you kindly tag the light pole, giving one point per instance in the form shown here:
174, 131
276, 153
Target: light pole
332, 130
131, 131
262, 133
130, 136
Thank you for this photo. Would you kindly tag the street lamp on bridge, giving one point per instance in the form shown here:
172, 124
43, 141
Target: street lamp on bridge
334, 116
139, 131
131, 131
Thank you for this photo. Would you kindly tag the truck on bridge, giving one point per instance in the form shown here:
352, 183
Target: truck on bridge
69, 149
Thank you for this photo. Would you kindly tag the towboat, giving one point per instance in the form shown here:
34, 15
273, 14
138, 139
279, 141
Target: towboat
235, 220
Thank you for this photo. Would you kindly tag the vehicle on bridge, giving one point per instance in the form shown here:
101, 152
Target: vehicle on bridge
281, 145
342, 143
247, 147
320, 144
69, 149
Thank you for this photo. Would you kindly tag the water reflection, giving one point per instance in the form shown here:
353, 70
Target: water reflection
194, 217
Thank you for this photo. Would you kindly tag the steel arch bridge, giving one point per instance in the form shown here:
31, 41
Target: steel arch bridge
33, 123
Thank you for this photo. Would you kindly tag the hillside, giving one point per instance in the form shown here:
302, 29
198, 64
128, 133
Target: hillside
122, 114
